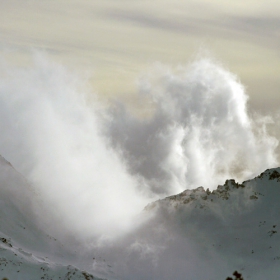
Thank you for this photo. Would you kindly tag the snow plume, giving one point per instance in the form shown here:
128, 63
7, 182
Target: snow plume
52, 136
95, 169
200, 132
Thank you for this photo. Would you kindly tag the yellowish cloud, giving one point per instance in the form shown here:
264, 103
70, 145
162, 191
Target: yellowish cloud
117, 40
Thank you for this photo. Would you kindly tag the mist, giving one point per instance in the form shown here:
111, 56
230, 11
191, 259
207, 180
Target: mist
95, 168
54, 138
200, 132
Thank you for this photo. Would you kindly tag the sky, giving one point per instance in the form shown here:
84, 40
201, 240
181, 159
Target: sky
115, 42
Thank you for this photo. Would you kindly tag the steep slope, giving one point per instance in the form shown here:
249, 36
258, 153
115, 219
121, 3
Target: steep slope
197, 234
238, 223
205, 235
27, 252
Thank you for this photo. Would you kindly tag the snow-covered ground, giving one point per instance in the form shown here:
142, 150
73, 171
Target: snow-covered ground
26, 252
235, 227
197, 234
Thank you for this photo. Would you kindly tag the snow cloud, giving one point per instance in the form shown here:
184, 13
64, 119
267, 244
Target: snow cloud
96, 168
52, 136
200, 132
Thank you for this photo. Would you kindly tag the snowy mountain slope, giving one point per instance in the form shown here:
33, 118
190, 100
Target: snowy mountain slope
197, 234
16, 263
26, 252
205, 235
239, 223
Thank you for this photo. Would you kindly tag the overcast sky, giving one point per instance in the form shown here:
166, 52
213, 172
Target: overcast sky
116, 41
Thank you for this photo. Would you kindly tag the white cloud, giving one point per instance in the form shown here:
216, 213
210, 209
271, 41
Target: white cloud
200, 133
54, 138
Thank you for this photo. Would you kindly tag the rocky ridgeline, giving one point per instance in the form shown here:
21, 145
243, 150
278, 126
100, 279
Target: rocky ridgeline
200, 197
239, 222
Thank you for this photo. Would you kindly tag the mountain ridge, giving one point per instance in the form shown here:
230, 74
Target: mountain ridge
199, 233
222, 191
238, 221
